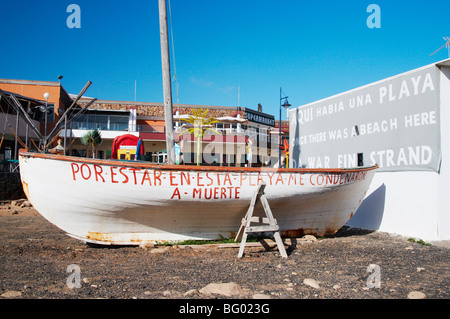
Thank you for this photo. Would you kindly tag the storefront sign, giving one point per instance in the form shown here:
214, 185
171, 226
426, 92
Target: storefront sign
258, 117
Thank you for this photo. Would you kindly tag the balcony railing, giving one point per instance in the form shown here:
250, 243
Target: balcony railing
9, 165
161, 129
226, 131
100, 126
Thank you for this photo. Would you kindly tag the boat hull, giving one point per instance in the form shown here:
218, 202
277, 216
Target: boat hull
133, 203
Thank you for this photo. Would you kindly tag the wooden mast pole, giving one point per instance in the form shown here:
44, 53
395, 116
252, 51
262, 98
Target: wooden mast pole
167, 88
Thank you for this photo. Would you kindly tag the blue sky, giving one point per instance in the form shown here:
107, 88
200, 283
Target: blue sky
312, 49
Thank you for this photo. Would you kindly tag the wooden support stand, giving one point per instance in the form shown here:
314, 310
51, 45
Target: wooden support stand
269, 223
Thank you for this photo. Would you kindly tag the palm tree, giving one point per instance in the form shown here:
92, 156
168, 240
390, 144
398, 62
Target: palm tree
201, 124
92, 138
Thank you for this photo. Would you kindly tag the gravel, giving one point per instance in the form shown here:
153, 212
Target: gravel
37, 260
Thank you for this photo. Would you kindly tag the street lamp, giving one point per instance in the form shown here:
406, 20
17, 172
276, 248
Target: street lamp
286, 105
46, 96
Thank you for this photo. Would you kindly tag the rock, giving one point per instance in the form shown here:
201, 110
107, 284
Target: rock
145, 245
160, 250
225, 289
261, 296
190, 292
309, 238
336, 287
11, 294
311, 282
416, 295
26, 204
419, 269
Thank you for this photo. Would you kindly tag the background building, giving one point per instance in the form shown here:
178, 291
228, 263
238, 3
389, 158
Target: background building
242, 130
146, 120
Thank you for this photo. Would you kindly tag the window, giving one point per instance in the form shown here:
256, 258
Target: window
360, 159
101, 122
79, 153
118, 123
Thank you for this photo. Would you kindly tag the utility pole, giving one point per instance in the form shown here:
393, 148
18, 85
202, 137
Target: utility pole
167, 88
279, 139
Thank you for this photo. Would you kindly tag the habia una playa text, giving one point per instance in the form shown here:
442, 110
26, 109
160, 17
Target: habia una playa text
386, 94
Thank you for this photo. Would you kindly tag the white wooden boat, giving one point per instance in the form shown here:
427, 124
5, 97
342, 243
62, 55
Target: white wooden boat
132, 203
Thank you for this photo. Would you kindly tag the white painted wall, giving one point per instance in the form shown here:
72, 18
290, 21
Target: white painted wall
132, 120
444, 180
414, 204
404, 203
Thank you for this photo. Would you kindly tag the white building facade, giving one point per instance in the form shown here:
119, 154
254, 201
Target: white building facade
402, 124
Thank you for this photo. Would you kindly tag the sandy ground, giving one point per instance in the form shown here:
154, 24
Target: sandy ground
37, 260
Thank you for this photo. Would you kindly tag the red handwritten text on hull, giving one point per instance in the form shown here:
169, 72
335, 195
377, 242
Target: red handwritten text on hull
206, 185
